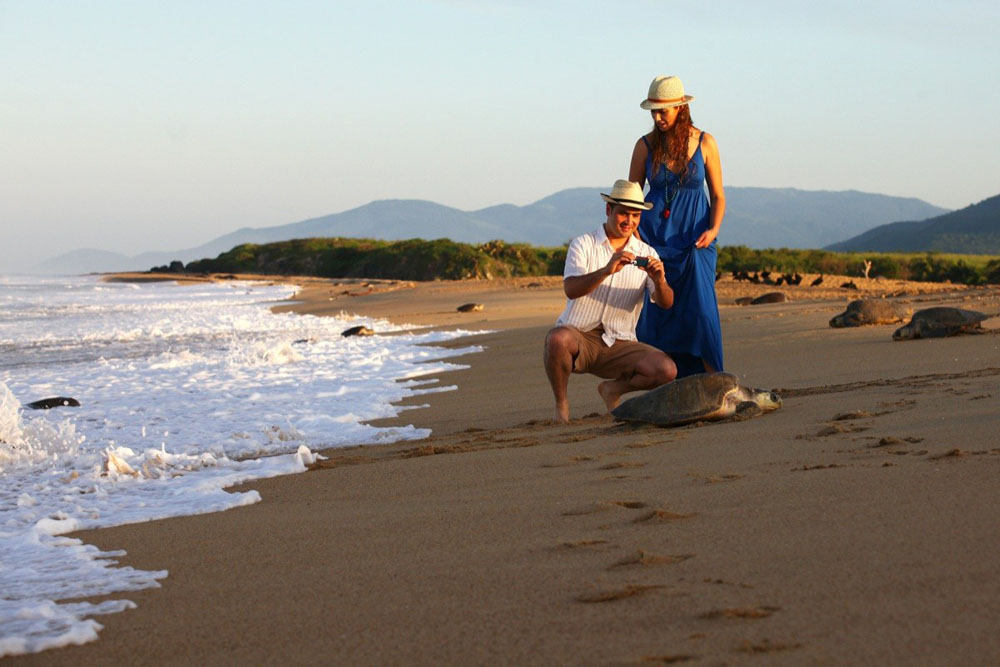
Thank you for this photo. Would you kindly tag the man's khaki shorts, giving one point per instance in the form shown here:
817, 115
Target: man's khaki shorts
613, 363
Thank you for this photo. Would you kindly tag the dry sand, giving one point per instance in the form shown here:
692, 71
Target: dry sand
856, 525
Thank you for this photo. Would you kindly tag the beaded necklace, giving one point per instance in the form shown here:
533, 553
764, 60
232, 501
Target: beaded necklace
669, 197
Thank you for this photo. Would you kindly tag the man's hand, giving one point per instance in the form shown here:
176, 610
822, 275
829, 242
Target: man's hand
618, 261
578, 286
654, 269
663, 294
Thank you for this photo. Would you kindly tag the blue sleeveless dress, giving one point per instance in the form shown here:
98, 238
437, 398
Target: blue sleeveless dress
690, 331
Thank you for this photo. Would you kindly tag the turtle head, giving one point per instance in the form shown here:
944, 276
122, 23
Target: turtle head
905, 332
766, 400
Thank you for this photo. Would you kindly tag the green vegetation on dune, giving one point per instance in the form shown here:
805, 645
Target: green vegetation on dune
417, 259
926, 266
414, 259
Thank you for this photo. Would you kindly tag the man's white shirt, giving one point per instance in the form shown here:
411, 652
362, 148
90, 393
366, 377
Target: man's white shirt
615, 303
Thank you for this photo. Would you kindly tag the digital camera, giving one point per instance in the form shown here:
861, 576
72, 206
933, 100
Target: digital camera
640, 261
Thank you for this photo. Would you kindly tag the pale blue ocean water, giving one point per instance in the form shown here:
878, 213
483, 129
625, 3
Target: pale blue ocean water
186, 390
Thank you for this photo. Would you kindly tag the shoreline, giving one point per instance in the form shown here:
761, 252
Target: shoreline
799, 535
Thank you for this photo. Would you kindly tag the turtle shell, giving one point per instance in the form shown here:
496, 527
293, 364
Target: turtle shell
939, 321
869, 311
689, 399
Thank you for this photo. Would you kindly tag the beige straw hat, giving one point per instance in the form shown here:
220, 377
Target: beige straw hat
627, 194
665, 92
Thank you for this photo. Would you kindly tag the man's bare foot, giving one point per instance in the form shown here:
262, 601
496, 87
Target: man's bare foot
610, 394
561, 415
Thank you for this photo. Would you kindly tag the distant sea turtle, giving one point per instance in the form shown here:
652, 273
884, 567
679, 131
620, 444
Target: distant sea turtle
470, 307
358, 331
54, 402
939, 322
770, 297
870, 311
706, 396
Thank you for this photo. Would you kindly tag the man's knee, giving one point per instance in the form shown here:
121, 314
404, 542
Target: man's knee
559, 341
659, 367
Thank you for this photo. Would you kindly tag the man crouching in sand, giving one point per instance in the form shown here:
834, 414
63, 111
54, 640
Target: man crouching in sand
607, 273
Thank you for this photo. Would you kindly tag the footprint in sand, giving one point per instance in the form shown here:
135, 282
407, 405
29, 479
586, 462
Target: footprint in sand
661, 516
723, 582
715, 479
630, 504
668, 658
641, 445
594, 508
902, 403
740, 613
644, 559
615, 465
837, 429
956, 453
628, 477
585, 545
889, 441
765, 646
574, 438
580, 458
819, 466
630, 591
835, 426
854, 414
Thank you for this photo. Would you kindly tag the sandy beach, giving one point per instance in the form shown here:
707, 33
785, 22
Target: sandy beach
855, 525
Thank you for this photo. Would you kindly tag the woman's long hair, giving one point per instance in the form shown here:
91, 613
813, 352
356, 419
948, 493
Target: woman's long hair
671, 147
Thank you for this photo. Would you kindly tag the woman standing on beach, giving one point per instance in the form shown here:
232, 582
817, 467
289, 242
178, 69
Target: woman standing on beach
677, 159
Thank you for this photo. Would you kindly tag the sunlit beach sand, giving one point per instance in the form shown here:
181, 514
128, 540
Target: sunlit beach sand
852, 526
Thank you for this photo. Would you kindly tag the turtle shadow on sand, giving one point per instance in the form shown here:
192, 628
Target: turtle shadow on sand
702, 397
941, 321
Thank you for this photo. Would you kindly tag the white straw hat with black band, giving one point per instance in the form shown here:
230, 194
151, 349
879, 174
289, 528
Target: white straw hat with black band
627, 193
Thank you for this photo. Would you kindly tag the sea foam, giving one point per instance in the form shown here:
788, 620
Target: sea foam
184, 391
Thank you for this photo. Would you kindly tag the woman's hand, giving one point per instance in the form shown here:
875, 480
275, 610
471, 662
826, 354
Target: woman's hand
706, 238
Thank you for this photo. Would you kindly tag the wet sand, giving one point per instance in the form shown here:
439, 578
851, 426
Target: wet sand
855, 525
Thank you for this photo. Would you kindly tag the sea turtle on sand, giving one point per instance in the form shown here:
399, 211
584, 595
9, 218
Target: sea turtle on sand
470, 307
770, 297
870, 311
702, 397
361, 330
939, 322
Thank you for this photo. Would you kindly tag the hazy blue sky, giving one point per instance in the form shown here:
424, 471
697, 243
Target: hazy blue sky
148, 125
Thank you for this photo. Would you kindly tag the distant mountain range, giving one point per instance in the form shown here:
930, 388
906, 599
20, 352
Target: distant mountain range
972, 230
755, 217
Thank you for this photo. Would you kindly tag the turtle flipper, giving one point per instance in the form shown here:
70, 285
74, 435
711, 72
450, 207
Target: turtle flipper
746, 410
